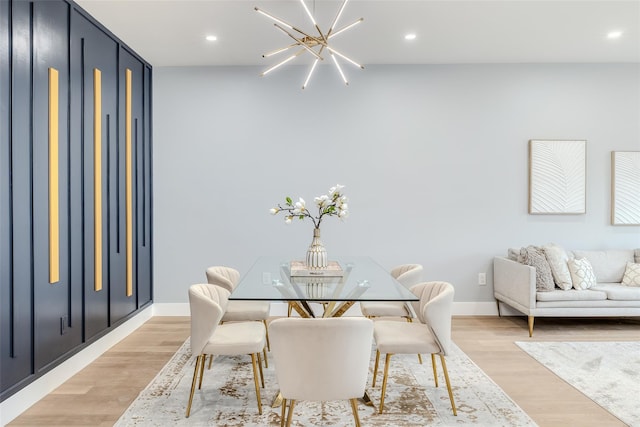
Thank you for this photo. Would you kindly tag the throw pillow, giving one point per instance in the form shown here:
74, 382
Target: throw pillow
581, 273
557, 258
534, 257
631, 275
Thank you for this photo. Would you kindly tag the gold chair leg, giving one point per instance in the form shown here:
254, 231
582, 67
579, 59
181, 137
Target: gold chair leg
202, 360
266, 362
354, 408
531, 326
289, 308
375, 368
266, 329
433, 365
210, 360
290, 414
446, 378
260, 366
384, 380
255, 380
193, 384
283, 412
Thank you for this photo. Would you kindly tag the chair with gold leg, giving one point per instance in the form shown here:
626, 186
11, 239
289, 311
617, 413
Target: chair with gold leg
321, 360
408, 275
209, 337
239, 311
431, 335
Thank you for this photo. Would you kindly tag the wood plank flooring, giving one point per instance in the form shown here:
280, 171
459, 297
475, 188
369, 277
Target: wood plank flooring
101, 392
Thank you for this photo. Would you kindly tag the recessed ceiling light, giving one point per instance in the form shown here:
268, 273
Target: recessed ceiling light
211, 38
410, 36
614, 34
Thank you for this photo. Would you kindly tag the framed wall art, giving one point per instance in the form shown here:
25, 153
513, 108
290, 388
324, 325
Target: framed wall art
625, 187
557, 177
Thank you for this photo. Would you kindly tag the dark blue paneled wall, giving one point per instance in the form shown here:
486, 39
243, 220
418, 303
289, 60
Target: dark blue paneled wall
43, 323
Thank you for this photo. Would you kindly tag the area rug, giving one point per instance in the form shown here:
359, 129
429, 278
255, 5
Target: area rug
606, 372
227, 397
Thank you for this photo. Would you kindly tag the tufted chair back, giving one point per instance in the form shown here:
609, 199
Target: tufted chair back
435, 309
207, 303
226, 277
407, 274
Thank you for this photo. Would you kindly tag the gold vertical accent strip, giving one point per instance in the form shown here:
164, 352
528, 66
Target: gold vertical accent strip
97, 177
54, 201
128, 190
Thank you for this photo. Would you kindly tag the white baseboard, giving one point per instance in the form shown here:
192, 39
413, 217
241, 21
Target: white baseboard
13, 406
23, 399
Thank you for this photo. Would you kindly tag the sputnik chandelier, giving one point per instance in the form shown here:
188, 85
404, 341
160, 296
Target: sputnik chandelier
314, 45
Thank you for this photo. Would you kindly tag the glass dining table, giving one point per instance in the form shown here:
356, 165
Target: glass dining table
349, 279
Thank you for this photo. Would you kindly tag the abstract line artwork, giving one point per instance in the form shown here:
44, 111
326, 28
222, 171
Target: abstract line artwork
557, 177
625, 187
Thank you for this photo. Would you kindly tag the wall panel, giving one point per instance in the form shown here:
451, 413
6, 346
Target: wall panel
15, 302
62, 186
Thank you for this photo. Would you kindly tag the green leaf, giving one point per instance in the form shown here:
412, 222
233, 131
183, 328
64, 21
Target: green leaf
301, 217
289, 201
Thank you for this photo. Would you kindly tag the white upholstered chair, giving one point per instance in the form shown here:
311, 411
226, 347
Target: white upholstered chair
431, 335
321, 360
209, 337
408, 275
239, 311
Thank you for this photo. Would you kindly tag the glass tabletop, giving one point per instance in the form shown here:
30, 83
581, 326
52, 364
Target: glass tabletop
352, 278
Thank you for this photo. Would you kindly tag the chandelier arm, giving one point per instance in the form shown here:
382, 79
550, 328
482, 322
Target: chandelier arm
282, 49
313, 67
335, 21
282, 62
335, 61
345, 57
269, 15
301, 42
345, 28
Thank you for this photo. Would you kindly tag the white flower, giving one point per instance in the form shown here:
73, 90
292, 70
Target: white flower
322, 201
334, 204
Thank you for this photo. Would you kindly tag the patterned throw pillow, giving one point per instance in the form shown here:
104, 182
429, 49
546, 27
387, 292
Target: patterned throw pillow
581, 273
534, 257
631, 275
558, 258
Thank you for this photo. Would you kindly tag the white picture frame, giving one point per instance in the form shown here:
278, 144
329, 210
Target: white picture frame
625, 187
557, 176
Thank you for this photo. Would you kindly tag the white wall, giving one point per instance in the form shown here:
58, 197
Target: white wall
434, 159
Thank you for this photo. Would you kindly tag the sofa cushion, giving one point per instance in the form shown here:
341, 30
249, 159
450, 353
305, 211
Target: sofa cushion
608, 266
557, 258
631, 275
637, 256
618, 292
534, 257
581, 271
572, 295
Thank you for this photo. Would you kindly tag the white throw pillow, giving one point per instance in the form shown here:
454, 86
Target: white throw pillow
631, 275
581, 273
557, 258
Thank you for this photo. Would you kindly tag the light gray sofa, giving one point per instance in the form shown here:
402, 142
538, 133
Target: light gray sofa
514, 284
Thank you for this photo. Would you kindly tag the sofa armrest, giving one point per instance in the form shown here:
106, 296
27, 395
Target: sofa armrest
514, 284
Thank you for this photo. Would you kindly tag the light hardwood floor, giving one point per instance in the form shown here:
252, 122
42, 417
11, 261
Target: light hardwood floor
101, 392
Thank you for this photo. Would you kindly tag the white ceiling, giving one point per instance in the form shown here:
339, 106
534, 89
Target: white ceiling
172, 32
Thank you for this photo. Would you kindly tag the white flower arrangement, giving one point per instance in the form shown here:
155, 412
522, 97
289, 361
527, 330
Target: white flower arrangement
333, 204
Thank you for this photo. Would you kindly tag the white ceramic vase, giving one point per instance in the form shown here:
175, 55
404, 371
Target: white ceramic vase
316, 254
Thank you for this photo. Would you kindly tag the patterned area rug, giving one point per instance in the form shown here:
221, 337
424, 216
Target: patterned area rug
227, 397
606, 372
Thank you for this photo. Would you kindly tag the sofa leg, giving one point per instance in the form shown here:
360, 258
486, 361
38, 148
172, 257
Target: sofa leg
498, 304
531, 326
